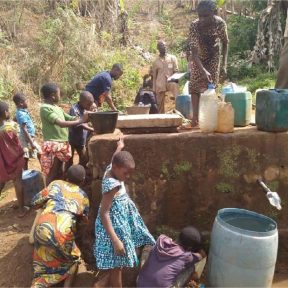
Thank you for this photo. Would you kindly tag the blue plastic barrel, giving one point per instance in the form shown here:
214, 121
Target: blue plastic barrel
243, 249
183, 105
32, 184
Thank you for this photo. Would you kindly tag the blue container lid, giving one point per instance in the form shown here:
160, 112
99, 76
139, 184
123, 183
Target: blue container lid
248, 221
28, 174
211, 86
227, 89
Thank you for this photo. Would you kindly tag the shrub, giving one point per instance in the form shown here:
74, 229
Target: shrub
260, 81
242, 34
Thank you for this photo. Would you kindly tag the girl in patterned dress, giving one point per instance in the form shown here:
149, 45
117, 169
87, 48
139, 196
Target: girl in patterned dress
119, 227
206, 35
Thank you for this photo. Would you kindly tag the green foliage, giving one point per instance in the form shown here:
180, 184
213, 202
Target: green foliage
220, 3
6, 88
260, 81
136, 8
165, 20
178, 44
63, 52
153, 44
121, 4
67, 51
178, 170
182, 167
242, 34
228, 162
265, 80
125, 89
258, 5
224, 187
164, 170
273, 185
249, 76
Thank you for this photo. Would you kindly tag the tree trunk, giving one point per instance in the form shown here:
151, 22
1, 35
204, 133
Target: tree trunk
106, 12
269, 36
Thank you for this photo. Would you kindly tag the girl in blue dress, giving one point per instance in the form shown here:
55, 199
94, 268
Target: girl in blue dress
119, 227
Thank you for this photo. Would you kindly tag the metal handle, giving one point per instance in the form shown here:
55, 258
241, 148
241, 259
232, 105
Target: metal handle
263, 185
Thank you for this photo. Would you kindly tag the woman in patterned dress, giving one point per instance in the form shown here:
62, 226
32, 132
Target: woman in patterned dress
56, 255
206, 35
119, 227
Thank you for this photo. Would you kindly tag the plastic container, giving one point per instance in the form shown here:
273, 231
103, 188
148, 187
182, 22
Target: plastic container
225, 90
208, 110
33, 183
183, 105
272, 110
243, 249
225, 122
242, 105
104, 122
134, 110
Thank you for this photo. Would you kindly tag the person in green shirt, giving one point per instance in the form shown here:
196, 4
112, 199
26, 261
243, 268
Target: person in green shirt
56, 149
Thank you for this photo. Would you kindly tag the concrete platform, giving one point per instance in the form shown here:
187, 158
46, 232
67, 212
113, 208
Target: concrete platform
148, 121
185, 178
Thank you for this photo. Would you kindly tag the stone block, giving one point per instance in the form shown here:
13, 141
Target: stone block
148, 121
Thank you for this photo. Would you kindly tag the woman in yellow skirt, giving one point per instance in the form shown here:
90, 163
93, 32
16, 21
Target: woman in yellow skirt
56, 255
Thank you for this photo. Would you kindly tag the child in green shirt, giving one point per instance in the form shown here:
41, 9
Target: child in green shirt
55, 122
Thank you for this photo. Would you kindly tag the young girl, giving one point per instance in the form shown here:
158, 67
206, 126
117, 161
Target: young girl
11, 155
55, 122
119, 227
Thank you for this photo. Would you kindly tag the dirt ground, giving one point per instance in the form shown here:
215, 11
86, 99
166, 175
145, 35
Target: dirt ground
16, 252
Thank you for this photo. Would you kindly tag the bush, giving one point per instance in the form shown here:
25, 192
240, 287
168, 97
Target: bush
6, 89
68, 51
260, 81
238, 69
242, 34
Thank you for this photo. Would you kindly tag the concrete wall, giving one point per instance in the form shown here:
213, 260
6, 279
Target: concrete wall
184, 178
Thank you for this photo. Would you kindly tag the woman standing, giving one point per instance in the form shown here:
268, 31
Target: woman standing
206, 35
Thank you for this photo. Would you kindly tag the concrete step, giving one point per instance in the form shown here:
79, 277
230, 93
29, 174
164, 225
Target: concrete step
148, 121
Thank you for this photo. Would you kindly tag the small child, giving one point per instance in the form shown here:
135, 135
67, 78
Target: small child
147, 96
119, 227
78, 135
168, 260
27, 129
55, 122
11, 155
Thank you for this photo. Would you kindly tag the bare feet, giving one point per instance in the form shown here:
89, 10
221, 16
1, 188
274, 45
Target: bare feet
188, 127
194, 123
23, 212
